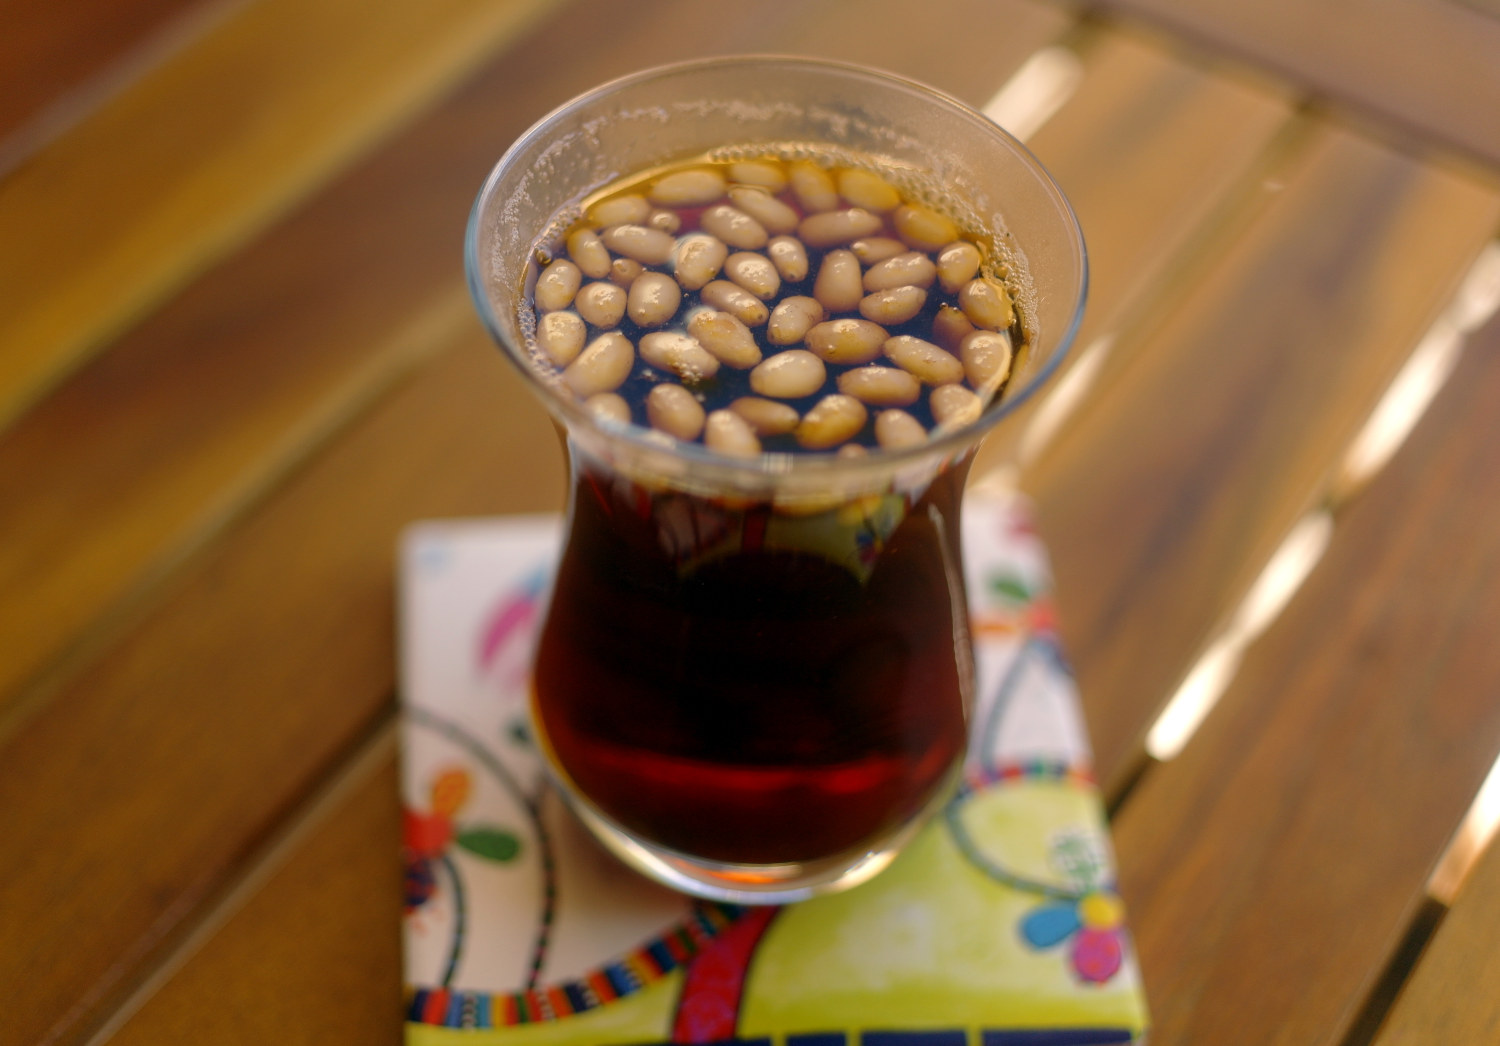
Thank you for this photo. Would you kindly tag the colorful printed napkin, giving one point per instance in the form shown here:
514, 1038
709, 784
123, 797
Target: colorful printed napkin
998, 925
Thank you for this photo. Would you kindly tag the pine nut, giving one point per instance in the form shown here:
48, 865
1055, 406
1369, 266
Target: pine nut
667, 221
734, 227
836, 228
957, 264
987, 304
986, 356
880, 386
813, 188
654, 299
893, 306
737, 301
645, 245
832, 420
837, 285
950, 327
602, 366
589, 253
556, 285
789, 257
729, 340
699, 259
680, 354
788, 375
560, 335
895, 429
911, 269
690, 188
872, 250
726, 432
954, 406
753, 272
775, 216
602, 304
756, 172
852, 451
846, 341
924, 360
631, 209
623, 271
868, 190
608, 408
792, 318
923, 228
673, 410
766, 417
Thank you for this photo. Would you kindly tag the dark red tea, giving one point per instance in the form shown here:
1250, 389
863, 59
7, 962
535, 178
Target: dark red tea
749, 686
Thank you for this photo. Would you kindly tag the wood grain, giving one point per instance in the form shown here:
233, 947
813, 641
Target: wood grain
1158, 518
203, 150
1427, 65
1272, 867
1452, 997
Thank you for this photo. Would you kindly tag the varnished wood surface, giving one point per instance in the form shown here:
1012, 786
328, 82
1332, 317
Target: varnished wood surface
211, 432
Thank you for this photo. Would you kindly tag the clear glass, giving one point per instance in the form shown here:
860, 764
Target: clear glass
754, 674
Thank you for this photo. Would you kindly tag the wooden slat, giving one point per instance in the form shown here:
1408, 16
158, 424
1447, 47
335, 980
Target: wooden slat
1452, 996
1428, 64
295, 331
1271, 868
1158, 519
204, 149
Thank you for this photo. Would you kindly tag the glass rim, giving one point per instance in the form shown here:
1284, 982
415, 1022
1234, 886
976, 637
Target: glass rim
770, 465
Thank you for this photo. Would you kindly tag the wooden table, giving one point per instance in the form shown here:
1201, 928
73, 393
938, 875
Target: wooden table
237, 356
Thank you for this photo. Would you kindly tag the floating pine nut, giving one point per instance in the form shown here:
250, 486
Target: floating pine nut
853, 450
789, 257
766, 417
880, 386
680, 354
602, 304
654, 298
950, 327
560, 335
987, 304
813, 188
726, 432
726, 337
699, 259
556, 285
645, 245
690, 188
832, 420
735, 300
986, 357
895, 429
924, 360
608, 408
869, 190
631, 209
623, 271
666, 221
911, 269
601, 367
954, 406
834, 228
774, 215
893, 306
923, 228
837, 285
753, 272
589, 253
956, 265
734, 227
792, 318
847, 341
756, 172
872, 250
673, 410
788, 375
